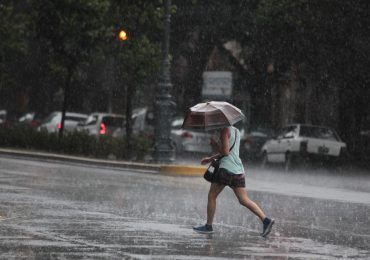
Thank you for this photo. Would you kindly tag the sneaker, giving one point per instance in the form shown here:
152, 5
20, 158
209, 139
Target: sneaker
267, 225
205, 229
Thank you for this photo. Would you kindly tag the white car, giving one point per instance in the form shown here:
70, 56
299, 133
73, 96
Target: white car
189, 140
104, 124
299, 141
143, 122
52, 123
3, 114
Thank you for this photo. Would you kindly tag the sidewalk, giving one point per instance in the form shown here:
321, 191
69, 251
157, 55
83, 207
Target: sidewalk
170, 169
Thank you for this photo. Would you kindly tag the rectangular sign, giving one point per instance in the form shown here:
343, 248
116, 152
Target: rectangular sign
217, 84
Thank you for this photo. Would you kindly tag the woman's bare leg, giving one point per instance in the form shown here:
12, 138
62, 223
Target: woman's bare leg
241, 194
214, 190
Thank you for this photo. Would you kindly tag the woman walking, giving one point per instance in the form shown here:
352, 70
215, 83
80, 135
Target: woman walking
230, 173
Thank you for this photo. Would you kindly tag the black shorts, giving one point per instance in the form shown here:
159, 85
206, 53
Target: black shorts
225, 177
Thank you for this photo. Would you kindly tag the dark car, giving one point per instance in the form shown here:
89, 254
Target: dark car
252, 142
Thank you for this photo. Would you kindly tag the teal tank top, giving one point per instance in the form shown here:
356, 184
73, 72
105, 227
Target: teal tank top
232, 162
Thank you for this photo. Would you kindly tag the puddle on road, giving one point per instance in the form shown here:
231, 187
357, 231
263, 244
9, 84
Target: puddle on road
142, 239
100, 234
171, 241
80, 221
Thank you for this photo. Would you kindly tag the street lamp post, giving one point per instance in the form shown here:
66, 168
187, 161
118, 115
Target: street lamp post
163, 150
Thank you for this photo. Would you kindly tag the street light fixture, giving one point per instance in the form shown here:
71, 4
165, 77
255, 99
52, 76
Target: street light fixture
122, 35
163, 150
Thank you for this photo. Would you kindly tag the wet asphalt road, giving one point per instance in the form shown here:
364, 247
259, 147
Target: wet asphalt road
68, 211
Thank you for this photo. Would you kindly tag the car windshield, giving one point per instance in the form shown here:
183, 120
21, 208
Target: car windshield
318, 132
287, 132
261, 131
177, 123
75, 118
113, 121
91, 120
49, 118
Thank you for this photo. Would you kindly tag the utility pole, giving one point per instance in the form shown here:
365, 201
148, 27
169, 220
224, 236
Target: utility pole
163, 150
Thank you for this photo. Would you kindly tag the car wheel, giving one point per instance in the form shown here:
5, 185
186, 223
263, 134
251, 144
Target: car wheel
343, 159
288, 165
174, 146
264, 160
177, 148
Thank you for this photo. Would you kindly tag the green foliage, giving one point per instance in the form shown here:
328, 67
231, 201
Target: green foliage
12, 47
73, 143
25, 137
106, 146
41, 39
141, 146
71, 28
12, 29
76, 143
318, 33
68, 38
138, 58
197, 28
330, 39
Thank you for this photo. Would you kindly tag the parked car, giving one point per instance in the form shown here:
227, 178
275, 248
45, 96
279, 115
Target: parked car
143, 122
252, 142
103, 124
189, 140
299, 141
6, 121
3, 114
30, 119
52, 123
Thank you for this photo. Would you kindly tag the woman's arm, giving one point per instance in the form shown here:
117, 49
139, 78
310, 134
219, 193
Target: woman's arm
223, 150
209, 159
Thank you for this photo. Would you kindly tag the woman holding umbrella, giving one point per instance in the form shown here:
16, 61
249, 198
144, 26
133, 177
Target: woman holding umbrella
223, 115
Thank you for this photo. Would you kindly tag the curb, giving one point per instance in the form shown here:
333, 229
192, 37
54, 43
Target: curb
168, 169
183, 170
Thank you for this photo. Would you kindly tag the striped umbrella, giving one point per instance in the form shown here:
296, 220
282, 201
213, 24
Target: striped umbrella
212, 115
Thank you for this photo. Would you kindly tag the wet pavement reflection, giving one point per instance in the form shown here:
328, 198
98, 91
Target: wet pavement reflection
65, 211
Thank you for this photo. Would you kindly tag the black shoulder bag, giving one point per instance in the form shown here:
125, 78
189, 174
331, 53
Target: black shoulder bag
212, 169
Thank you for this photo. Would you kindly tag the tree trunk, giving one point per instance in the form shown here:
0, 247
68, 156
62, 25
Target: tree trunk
67, 90
129, 96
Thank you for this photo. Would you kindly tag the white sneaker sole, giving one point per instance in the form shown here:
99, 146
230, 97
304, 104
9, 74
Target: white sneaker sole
203, 232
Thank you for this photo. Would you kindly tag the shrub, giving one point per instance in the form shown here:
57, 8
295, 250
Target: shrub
74, 143
141, 146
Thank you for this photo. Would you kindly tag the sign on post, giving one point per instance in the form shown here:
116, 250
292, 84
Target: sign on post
217, 85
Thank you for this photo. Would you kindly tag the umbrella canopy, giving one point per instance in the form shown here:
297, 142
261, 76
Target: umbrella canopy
212, 115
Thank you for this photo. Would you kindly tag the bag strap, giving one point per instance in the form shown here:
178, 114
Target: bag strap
234, 141
230, 147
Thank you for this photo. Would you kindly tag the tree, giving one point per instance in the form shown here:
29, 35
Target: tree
199, 26
330, 39
71, 30
12, 48
138, 58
